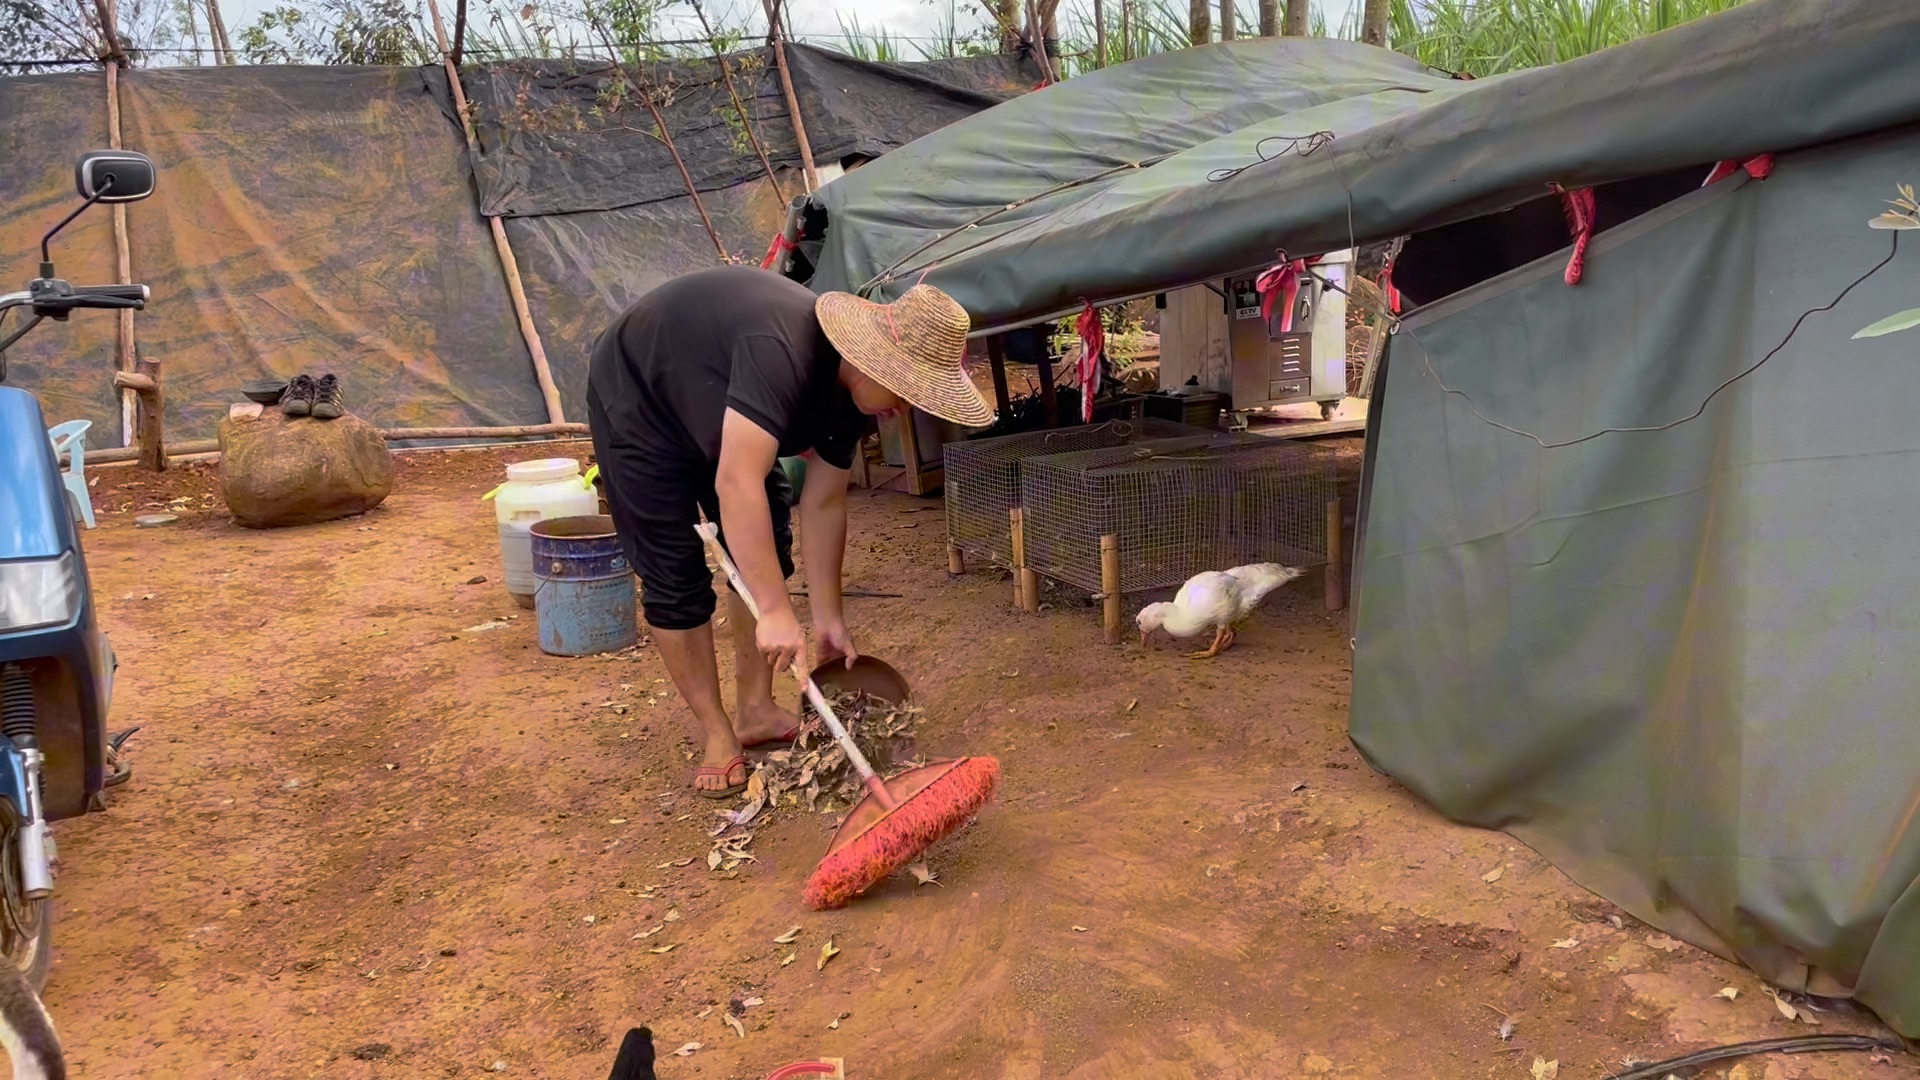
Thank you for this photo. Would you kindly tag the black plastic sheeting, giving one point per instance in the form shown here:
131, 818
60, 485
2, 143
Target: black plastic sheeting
45, 121
320, 219
563, 138
314, 219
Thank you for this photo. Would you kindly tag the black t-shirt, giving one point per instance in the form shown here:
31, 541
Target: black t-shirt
736, 337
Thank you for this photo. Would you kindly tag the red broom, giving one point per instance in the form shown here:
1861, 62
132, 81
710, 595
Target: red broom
898, 818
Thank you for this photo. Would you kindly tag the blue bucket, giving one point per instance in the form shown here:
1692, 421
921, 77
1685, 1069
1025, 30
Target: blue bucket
584, 603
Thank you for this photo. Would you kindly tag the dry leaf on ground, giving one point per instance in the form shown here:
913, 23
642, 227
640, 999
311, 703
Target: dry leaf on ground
827, 952
1544, 1069
687, 1050
664, 948
644, 934
922, 875
1662, 942
1567, 943
789, 958
734, 1023
1493, 875
788, 938
1729, 992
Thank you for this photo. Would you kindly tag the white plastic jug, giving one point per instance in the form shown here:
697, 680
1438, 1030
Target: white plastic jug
534, 492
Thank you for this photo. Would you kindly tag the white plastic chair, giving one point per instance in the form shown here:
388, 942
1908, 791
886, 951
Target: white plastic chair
70, 438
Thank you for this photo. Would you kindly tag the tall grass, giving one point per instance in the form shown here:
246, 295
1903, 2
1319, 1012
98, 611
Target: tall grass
1477, 37
1487, 37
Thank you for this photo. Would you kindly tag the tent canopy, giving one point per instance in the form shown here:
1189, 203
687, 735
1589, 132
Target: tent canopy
1169, 171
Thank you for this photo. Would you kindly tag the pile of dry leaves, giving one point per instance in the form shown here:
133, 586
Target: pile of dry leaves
815, 775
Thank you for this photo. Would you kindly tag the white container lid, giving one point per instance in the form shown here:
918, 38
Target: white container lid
544, 471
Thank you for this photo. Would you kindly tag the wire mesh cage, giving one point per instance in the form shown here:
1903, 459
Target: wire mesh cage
982, 477
1176, 507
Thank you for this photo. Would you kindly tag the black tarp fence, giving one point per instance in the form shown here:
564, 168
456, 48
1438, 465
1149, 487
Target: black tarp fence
331, 219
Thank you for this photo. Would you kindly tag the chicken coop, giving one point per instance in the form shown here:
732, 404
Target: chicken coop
1149, 515
983, 485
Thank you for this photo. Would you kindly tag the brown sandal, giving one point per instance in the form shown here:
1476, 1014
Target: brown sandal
723, 772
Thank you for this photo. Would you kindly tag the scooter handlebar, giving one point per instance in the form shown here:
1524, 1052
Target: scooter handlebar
124, 292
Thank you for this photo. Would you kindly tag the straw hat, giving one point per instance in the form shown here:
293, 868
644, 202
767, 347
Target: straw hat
913, 347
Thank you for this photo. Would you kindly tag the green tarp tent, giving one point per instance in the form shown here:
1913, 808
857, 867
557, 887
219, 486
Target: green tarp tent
1678, 658
1149, 175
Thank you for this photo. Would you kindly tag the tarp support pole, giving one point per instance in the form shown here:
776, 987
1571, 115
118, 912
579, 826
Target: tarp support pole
542, 373
123, 255
793, 100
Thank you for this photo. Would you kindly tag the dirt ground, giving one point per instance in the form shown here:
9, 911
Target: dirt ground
367, 838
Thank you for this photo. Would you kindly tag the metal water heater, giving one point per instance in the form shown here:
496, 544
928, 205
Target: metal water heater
1307, 363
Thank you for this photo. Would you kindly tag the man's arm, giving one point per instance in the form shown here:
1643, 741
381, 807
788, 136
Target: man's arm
747, 454
823, 544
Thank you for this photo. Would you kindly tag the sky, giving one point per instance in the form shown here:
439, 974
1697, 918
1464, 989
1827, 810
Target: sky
818, 19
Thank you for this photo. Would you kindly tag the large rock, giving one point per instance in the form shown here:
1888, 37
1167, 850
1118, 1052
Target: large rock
277, 471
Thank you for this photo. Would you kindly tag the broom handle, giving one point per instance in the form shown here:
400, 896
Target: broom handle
710, 533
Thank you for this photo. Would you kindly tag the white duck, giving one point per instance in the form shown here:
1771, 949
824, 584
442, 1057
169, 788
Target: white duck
1217, 600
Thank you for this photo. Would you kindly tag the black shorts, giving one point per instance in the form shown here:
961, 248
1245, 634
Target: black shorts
656, 500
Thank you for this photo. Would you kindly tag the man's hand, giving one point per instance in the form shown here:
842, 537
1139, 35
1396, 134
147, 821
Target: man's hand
833, 641
779, 639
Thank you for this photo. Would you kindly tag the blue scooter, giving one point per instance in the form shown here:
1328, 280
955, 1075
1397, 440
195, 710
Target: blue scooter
56, 666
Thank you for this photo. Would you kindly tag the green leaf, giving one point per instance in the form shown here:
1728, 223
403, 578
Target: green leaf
1904, 320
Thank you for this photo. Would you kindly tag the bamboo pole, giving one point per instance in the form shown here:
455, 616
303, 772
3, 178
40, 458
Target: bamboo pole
1110, 587
1099, 34
150, 410
513, 431
542, 373
1227, 14
1269, 18
739, 109
217, 30
807, 170
190, 447
1018, 536
123, 264
1126, 30
1336, 583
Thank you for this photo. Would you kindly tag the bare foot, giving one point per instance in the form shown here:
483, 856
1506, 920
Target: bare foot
765, 723
722, 768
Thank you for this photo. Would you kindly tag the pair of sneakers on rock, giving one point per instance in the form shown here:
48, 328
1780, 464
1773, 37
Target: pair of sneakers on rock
308, 396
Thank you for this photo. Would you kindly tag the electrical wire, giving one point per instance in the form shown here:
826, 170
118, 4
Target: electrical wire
1398, 327
1799, 1044
1303, 145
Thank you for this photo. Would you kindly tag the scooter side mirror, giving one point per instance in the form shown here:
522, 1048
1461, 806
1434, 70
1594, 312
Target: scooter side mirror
114, 176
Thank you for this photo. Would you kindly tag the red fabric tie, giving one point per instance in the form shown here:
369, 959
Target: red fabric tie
1758, 167
1282, 281
1581, 215
1093, 343
779, 247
